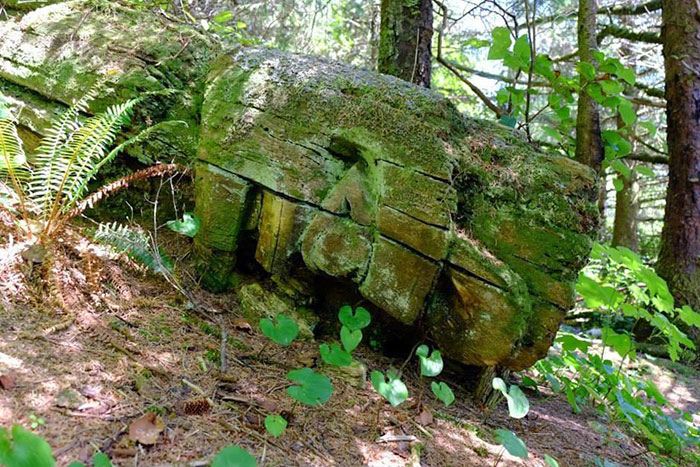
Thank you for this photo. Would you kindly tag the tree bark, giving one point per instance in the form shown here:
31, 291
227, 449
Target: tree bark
589, 145
405, 40
626, 213
679, 256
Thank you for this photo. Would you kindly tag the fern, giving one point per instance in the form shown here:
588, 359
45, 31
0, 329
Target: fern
136, 245
60, 175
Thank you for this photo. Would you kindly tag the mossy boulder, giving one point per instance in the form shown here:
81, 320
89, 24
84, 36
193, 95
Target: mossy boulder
49, 58
312, 168
437, 218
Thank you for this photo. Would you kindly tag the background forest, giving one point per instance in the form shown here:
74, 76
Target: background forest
142, 363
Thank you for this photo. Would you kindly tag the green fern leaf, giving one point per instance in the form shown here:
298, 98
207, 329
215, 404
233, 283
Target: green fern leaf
136, 245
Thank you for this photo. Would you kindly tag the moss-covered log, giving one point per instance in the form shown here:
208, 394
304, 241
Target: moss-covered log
436, 218
453, 224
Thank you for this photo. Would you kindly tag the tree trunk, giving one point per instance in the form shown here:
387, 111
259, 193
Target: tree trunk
679, 256
626, 213
589, 145
405, 39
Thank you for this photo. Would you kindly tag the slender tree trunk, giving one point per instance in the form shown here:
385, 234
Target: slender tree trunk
627, 203
405, 39
589, 145
626, 213
679, 256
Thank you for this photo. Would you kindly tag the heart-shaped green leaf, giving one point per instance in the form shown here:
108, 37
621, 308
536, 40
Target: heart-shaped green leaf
518, 405
354, 321
25, 449
429, 365
313, 389
334, 355
393, 390
283, 333
443, 392
234, 456
275, 425
350, 339
550, 461
189, 225
512, 443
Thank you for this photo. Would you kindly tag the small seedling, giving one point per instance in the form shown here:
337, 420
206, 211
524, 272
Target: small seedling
36, 421
514, 445
356, 321
429, 365
275, 425
518, 405
393, 390
443, 392
350, 339
334, 355
282, 333
314, 389
188, 226
234, 456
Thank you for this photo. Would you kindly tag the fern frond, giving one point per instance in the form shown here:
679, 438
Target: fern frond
13, 162
79, 190
157, 170
136, 245
59, 175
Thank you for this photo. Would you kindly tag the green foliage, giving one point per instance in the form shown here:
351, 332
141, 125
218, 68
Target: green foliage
512, 443
24, 449
313, 389
393, 389
275, 425
356, 321
282, 333
334, 355
430, 365
619, 286
188, 226
136, 245
234, 456
518, 405
350, 339
443, 392
36, 421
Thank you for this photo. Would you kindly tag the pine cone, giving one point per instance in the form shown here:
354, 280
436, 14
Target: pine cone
194, 407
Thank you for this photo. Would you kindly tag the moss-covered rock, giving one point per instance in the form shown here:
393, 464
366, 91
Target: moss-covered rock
371, 179
49, 57
330, 170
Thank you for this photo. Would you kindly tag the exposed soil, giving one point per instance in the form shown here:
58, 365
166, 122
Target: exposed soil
157, 354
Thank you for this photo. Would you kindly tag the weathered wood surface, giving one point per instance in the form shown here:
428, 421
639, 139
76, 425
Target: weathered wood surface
436, 218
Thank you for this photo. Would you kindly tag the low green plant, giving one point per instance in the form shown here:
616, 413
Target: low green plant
518, 405
234, 456
313, 389
282, 332
390, 387
334, 355
275, 425
188, 226
36, 422
510, 441
443, 392
431, 364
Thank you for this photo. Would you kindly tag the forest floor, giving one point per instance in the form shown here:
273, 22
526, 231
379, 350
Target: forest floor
159, 355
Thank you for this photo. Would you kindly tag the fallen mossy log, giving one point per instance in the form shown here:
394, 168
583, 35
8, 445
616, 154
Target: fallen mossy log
441, 221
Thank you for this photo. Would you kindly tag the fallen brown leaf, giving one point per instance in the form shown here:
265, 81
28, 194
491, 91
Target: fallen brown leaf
8, 381
242, 324
146, 428
425, 418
